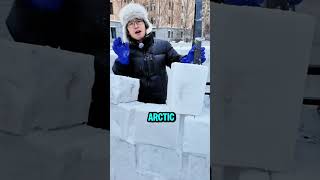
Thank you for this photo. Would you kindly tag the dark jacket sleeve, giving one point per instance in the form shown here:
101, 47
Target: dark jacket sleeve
172, 55
121, 69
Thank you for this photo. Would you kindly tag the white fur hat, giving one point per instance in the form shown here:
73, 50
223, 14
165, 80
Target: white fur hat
132, 11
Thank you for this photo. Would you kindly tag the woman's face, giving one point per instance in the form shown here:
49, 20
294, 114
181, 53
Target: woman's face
137, 29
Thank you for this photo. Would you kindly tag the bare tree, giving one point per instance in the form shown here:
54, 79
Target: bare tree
187, 15
161, 12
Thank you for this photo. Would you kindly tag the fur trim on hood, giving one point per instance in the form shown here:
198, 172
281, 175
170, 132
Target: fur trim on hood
132, 11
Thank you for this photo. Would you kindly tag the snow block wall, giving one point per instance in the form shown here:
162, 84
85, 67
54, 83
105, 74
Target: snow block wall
141, 150
243, 80
43, 87
44, 102
310, 114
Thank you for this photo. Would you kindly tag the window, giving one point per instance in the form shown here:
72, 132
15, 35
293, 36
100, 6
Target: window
181, 34
171, 34
113, 32
111, 8
152, 20
168, 34
154, 33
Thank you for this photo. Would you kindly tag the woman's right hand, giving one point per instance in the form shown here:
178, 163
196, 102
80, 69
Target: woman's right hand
122, 50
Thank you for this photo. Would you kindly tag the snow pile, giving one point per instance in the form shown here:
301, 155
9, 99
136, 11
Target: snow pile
162, 150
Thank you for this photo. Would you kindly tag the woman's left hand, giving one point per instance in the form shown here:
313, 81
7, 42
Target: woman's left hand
190, 57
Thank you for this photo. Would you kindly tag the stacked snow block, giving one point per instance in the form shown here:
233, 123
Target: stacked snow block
146, 151
312, 86
177, 150
44, 102
168, 151
123, 89
310, 117
54, 155
186, 89
43, 87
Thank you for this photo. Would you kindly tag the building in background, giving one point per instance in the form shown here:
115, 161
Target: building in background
172, 19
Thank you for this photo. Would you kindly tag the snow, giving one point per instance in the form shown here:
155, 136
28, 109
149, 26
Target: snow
120, 118
162, 161
310, 118
157, 148
122, 159
153, 133
312, 86
196, 137
186, 88
43, 87
195, 167
123, 89
253, 174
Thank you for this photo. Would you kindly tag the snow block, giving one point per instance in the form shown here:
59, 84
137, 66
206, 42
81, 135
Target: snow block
164, 134
312, 86
255, 108
18, 160
43, 87
186, 89
196, 134
68, 95
123, 89
94, 162
53, 154
18, 87
59, 151
253, 174
315, 54
310, 118
160, 161
195, 167
121, 117
122, 159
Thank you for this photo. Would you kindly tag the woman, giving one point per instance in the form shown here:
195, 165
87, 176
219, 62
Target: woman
143, 57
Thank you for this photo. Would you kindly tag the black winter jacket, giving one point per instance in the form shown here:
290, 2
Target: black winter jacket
149, 65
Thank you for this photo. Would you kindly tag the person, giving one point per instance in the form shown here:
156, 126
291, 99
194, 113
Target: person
142, 56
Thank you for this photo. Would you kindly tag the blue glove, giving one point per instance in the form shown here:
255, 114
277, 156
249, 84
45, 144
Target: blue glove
122, 50
189, 58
